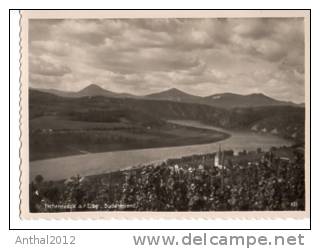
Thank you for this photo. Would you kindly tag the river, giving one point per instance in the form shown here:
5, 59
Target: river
99, 163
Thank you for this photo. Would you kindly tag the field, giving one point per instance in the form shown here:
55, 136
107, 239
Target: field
57, 136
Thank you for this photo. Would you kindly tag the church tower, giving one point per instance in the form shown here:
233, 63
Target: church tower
218, 159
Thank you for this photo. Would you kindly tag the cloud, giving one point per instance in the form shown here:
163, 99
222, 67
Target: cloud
42, 29
144, 60
44, 67
256, 29
200, 56
51, 47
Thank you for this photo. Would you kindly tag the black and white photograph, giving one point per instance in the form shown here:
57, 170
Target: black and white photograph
165, 114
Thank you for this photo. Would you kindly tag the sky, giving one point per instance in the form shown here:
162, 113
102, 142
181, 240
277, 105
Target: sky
142, 56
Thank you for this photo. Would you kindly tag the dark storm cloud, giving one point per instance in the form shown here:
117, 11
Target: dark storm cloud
200, 56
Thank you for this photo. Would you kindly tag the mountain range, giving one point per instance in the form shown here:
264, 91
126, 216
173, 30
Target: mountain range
223, 100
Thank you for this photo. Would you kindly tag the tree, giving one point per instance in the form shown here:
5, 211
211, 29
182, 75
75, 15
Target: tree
38, 179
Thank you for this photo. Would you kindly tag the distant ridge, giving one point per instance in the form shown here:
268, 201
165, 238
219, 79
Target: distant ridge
231, 100
88, 91
222, 100
53, 91
174, 94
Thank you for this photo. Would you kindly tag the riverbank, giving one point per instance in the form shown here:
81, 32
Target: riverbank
104, 162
